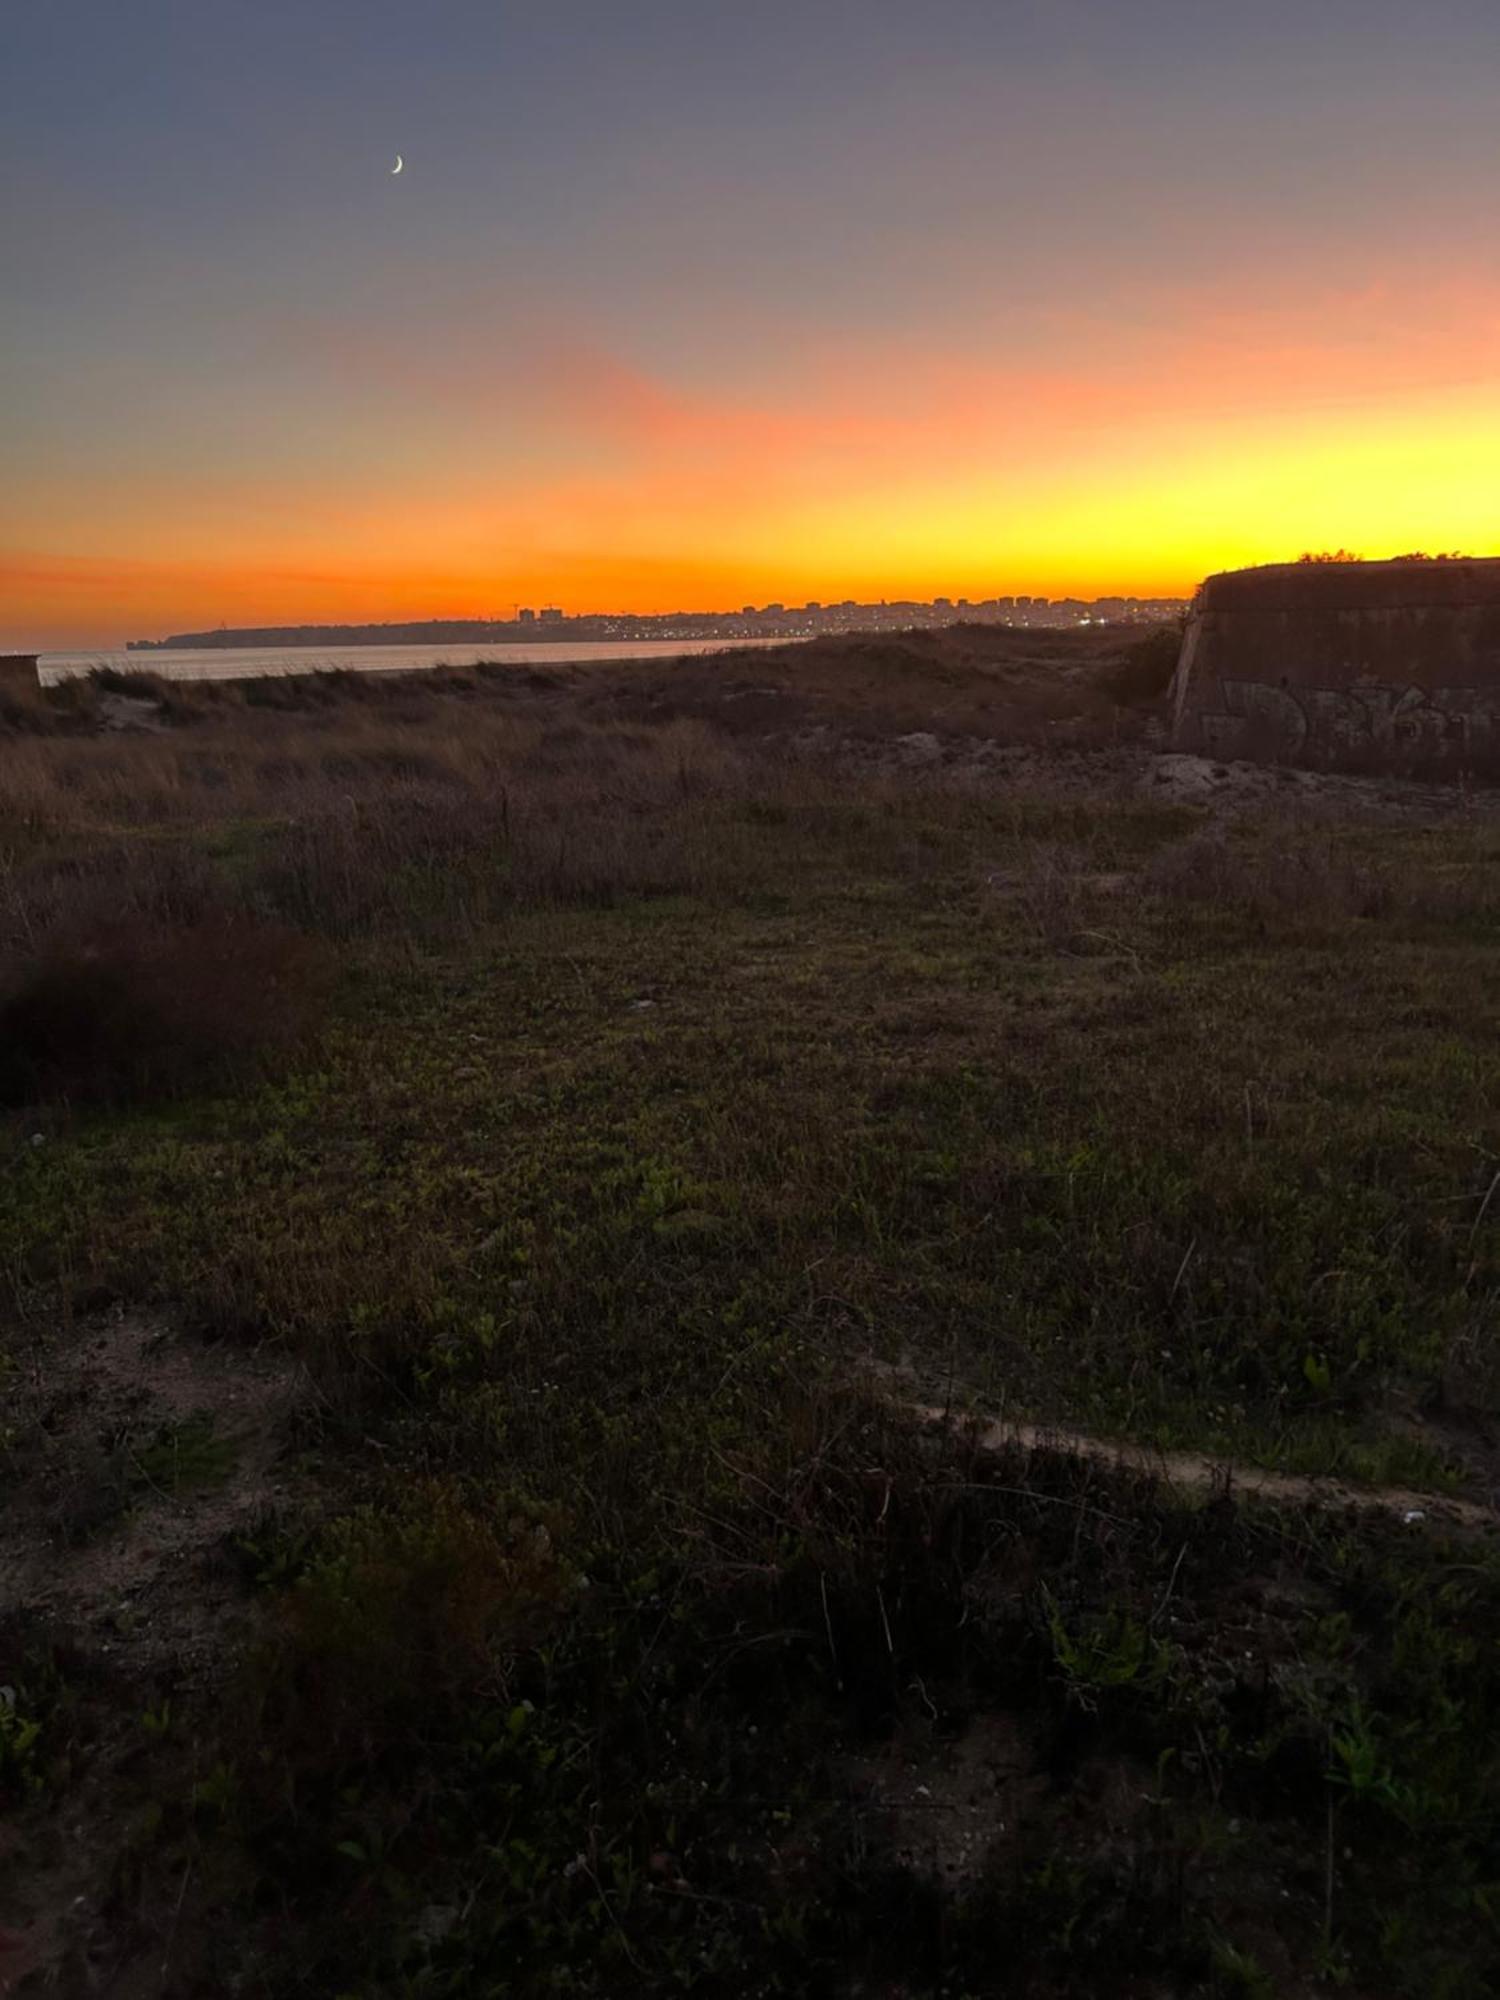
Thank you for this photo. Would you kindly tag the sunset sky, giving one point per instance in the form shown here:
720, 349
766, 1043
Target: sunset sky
699, 302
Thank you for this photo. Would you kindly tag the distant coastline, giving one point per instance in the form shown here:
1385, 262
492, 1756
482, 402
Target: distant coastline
772, 621
274, 662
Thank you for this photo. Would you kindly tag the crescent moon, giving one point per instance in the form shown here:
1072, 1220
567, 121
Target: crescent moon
397, 168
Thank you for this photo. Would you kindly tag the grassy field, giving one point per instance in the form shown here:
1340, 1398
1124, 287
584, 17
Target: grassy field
490, 1166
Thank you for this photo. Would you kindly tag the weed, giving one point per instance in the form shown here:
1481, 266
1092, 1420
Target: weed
156, 1723
182, 1456
1105, 1653
20, 1746
1239, 1973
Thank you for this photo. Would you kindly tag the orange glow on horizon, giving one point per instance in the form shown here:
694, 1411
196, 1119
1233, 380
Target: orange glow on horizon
565, 475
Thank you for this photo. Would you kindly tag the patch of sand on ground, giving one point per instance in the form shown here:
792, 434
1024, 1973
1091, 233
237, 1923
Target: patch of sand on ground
1186, 1472
134, 1455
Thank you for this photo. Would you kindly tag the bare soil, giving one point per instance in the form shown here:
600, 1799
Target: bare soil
137, 1454
1190, 1473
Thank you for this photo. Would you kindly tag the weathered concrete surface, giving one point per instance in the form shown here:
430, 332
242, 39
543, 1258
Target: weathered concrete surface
1380, 663
18, 670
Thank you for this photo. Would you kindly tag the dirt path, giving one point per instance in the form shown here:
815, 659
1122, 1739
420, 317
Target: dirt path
1186, 1472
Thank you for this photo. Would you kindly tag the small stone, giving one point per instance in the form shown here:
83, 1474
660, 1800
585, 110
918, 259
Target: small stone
920, 747
436, 1922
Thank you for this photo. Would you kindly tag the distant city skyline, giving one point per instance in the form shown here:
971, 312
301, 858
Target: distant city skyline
684, 304
772, 620
480, 606
477, 607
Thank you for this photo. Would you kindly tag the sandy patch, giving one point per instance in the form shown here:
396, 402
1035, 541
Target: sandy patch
134, 1454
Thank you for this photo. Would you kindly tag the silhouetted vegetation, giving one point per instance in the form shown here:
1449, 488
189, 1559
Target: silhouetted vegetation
522, 1550
1145, 673
146, 1009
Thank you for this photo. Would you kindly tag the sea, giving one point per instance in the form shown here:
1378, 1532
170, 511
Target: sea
234, 663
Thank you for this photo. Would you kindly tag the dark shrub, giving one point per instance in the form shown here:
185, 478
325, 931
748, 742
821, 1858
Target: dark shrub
1144, 672
155, 1009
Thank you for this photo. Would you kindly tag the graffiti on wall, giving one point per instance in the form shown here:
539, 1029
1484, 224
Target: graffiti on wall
1367, 716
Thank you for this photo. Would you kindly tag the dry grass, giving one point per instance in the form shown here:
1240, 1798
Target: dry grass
408, 805
1285, 870
675, 1070
327, 825
337, 803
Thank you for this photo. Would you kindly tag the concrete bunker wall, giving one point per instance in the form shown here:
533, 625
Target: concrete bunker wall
1394, 664
18, 670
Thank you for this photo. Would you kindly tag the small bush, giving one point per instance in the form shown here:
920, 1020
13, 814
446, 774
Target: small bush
1301, 877
157, 1009
400, 1613
1145, 672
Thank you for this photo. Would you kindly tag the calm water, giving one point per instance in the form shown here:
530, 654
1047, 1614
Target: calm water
251, 662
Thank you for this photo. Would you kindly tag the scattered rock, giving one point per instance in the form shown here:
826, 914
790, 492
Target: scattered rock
1182, 778
919, 749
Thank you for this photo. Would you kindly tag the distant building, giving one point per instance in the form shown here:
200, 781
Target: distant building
527, 617
551, 616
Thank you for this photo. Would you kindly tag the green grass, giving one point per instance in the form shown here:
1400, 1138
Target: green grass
582, 1212
1180, 1181
181, 1456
